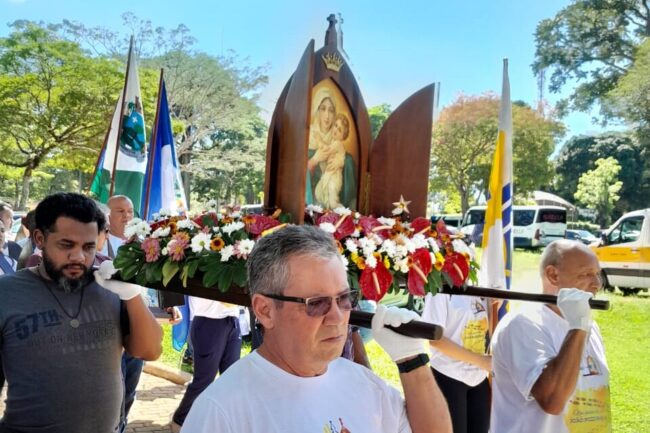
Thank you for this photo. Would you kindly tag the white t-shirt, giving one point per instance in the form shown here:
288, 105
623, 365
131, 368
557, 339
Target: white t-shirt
523, 343
115, 242
465, 322
212, 309
255, 396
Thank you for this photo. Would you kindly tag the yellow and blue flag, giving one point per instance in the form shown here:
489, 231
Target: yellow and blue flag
496, 261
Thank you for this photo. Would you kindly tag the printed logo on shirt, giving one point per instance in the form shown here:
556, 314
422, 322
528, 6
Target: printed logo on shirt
330, 428
30, 324
473, 336
589, 411
477, 306
589, 367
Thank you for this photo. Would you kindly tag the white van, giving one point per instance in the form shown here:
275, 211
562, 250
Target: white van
624, 252
533, 226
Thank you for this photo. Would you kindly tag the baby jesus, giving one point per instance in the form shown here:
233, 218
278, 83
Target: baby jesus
331, 158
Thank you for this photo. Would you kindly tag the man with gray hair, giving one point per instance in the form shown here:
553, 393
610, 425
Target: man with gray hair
296, 380
549, 368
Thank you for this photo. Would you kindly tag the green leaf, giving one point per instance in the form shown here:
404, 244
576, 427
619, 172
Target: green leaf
211, 276
240, 278
129, 272
141, 278
225, 279
192, 268
169, 269
436, 281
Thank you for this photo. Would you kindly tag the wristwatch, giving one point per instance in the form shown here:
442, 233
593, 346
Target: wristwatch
412, 364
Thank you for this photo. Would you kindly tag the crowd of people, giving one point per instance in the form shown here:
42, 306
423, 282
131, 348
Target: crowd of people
73, 342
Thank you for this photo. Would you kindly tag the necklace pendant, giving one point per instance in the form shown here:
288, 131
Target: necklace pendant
74, 323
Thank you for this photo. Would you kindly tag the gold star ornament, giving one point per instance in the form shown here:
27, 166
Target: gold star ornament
401, 206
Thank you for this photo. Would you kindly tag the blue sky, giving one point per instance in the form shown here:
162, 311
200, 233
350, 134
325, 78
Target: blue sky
395, 48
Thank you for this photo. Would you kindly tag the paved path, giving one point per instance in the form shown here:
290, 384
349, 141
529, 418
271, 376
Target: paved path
157, 399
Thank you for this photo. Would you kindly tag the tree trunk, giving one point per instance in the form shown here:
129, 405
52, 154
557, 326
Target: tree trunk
24, 196
464, 200
80, 181
16, 193
186, 177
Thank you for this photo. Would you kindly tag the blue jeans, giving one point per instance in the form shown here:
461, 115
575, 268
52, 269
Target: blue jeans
131, 371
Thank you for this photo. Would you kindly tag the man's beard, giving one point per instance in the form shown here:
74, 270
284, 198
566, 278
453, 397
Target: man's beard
68, 285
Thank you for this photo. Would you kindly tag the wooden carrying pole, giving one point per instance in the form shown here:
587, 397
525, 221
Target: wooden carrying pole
595, 304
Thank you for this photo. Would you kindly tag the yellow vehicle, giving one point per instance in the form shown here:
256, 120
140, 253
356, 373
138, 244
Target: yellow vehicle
624, 252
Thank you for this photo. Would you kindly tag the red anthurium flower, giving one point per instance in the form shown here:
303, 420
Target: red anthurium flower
441, 227
206, 219
457, 267
344, 224
260, 223
370, 224
374, 282
420, 265
421, 225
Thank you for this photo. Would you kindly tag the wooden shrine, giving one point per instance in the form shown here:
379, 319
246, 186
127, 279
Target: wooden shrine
320, 148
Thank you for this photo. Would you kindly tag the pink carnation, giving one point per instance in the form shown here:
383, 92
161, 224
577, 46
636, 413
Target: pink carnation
177, 247
151, 248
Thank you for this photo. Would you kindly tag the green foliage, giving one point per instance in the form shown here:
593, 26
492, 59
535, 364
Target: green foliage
233, 166
598, 188
464, 140
378, 115
592, 42
212, 100
629, 99
54, 100
580, 153
624, 329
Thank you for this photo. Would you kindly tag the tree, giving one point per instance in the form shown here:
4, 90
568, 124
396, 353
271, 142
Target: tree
54, 99
212, 97
580, 153
598, 188
593, 42
378, 115
464, 142
233, 171
629, 99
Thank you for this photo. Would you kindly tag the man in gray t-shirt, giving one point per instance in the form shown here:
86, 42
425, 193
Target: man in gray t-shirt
67, 378
62, 330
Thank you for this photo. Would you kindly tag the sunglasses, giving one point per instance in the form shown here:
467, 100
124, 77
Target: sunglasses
318, 306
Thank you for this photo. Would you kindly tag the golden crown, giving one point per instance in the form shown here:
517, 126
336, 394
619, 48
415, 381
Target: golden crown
333, 61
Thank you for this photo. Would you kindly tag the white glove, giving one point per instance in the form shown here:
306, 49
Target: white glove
124, 290
397, 346
574, 305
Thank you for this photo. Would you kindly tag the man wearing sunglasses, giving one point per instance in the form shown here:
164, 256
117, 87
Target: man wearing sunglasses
296, 380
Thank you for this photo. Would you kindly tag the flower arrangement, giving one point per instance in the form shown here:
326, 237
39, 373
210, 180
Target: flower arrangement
380, 253
215, 243
383, 253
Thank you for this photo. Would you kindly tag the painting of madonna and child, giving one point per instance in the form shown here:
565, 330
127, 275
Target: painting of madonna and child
332, 173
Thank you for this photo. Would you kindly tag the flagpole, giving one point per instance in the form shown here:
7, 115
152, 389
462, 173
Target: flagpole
99, 157
493, 307
152, 148
121, 123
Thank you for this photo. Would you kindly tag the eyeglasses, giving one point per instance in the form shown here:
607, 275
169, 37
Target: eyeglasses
318, 306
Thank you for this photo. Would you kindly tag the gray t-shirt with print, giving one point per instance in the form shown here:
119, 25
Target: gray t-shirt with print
61, 379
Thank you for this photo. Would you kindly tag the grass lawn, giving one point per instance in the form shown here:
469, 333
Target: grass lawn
625, 330
626, 333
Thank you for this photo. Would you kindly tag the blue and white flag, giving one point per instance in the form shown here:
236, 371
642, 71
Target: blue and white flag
496, 261
163, 188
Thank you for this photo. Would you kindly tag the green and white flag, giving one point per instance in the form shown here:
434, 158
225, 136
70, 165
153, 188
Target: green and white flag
127, 137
